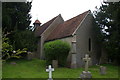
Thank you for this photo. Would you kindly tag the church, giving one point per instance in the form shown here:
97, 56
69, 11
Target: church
79, 29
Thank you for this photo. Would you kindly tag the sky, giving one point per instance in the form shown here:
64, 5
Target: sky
44, 10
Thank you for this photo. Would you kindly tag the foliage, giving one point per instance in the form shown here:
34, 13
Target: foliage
15, 16
8, 51
16, 21
6, 48
25, 39
56, 50
108, 19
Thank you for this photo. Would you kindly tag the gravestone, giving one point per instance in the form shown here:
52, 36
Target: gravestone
50, 69
73, 60
86, 74
55, 63
29, 55
102, 70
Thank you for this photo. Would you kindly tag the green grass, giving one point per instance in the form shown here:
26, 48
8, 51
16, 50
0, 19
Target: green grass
36, 69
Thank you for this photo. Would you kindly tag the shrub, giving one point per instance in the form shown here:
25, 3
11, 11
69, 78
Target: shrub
8, 52
56, 50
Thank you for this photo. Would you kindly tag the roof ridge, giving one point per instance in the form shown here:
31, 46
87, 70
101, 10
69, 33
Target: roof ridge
78, 15
50, 20
54, 19
87, 12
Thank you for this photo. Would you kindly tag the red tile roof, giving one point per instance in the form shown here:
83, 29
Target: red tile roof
42, 28
37, 21
67, 28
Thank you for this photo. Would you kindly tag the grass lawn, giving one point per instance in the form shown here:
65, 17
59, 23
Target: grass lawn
36, 69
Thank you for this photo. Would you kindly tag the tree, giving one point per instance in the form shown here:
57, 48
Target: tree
16, 21
25, 39
15, 16
108, 19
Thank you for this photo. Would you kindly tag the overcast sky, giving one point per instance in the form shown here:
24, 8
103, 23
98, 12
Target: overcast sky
44, 10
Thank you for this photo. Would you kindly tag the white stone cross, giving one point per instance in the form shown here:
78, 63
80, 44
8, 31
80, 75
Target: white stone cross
50, 69
86, 59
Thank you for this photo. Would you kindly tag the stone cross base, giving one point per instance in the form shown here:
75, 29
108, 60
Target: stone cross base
50, 79
86, 75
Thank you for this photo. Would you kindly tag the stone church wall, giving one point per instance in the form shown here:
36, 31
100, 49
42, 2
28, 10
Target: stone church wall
83, 34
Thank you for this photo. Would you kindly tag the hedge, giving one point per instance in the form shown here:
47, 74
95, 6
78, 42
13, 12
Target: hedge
56, 50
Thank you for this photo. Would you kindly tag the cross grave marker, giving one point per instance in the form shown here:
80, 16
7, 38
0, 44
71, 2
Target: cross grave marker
50, 69
86, 59
86, 73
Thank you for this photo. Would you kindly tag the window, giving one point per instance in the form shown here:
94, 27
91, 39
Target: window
89, 44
